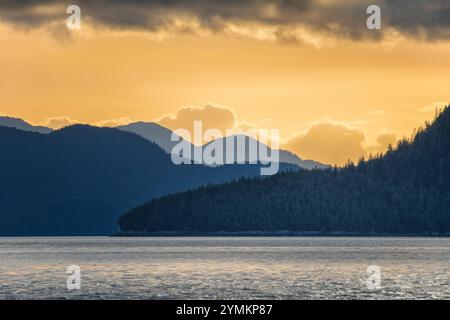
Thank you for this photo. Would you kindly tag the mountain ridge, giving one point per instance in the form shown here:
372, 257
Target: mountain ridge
21, 124
77, 180
162, 136
407, 191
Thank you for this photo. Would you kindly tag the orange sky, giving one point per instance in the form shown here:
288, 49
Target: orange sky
333, 101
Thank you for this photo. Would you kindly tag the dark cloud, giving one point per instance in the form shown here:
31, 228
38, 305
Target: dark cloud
429, 20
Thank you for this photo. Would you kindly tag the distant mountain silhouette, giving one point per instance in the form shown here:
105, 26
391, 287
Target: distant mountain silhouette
407, 191
162, 137
77, 180
22, 125
250, 142
152, 132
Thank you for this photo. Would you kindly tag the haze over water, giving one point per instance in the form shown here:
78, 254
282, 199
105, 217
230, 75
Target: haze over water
224, 268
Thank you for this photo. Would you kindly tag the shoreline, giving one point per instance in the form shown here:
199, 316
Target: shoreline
274, 234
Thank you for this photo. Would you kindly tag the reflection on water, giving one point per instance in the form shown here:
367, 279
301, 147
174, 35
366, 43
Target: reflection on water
224, 268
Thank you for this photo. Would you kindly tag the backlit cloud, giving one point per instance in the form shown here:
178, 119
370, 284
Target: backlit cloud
212, 116
59, 122
386, 139
111, 123
329, 142
382, 143
335, 142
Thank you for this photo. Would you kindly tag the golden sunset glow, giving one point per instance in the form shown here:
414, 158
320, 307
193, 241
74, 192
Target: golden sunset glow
356, 96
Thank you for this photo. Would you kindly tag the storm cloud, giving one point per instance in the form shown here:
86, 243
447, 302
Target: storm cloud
283, 19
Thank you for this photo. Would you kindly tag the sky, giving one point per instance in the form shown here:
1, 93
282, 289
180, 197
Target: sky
312, 69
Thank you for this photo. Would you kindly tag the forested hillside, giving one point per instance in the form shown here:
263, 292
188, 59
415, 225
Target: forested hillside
405, 191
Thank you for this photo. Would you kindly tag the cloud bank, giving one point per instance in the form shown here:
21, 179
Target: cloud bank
329, 142
59, 122
326, 140
212, 116
276, 20
334, 142
111, 123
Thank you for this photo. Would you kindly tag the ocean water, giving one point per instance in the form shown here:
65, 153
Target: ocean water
226, 268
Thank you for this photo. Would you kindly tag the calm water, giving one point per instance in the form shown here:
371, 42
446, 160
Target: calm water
224, 268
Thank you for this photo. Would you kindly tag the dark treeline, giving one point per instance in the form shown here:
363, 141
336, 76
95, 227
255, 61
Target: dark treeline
405, 191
